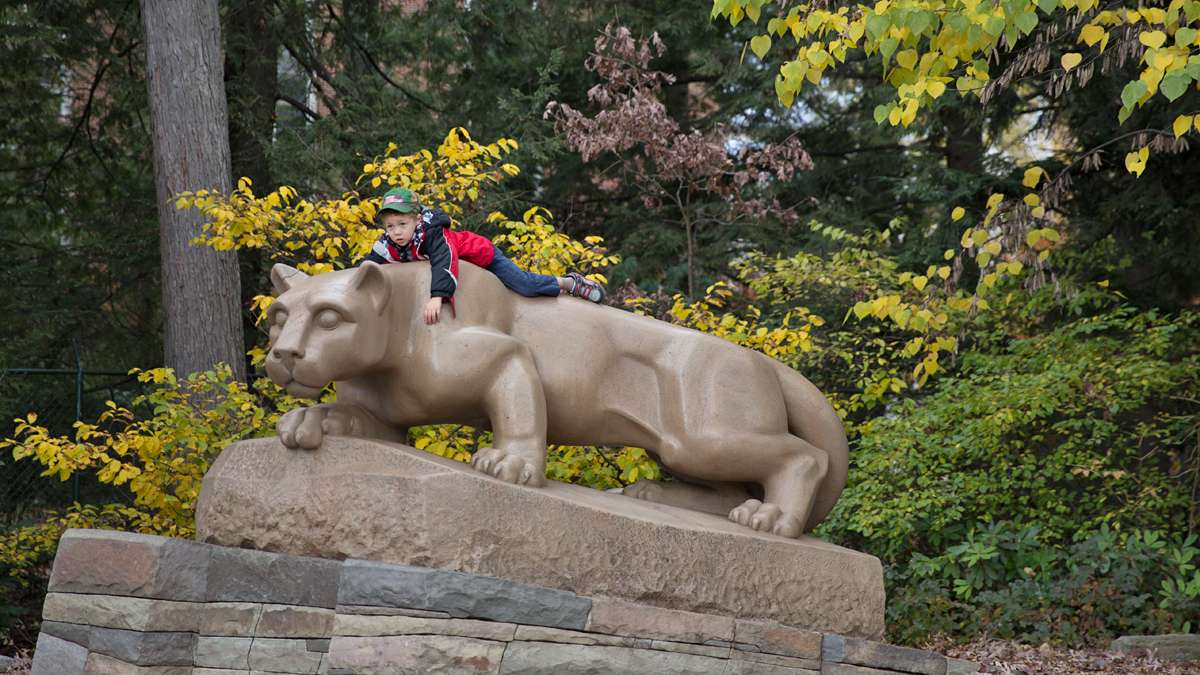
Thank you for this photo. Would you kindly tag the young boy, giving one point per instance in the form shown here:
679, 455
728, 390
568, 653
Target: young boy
412, 232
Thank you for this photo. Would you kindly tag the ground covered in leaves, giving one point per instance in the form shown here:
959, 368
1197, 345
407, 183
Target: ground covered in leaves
1014, 658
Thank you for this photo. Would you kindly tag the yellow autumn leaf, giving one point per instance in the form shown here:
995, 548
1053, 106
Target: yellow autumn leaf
1091, 34
1182, 124
1032, 175
1070, 60
994, 200
1152, 39
1135, 162
935, 88
1032, 199
944, 271
959, 211
919, 282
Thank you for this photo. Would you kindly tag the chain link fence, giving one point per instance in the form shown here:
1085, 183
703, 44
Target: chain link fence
59, 396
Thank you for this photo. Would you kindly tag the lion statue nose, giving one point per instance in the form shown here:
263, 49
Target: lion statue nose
288, 355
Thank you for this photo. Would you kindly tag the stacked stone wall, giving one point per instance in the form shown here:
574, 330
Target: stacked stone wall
126, 603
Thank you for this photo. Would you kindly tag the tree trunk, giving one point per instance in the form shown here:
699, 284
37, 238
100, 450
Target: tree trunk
191, 152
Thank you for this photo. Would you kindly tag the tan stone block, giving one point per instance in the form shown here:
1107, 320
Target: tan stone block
288, 621
544, 658
414, 654
848, 669
573, 637
114, 611
363, 499
360, 625
775, 638
688, 648
777, 660
391, 611
223, 652
283, 656
125, 563
617, 617
99, 664
238, 619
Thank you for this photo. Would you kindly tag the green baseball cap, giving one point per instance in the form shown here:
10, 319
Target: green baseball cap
401, 200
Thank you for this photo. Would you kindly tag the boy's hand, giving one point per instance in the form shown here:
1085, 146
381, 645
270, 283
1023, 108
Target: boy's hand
433, 310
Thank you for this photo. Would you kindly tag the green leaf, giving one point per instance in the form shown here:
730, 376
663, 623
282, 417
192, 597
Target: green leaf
760, 44
877, 25
1047, 6
1027, 22
1132, 93
1174, 84
919, 21
881, 112
994, 26
887, 48
1185, 36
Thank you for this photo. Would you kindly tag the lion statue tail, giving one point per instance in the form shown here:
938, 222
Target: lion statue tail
811, 417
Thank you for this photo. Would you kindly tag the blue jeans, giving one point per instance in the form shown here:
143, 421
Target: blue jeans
529, 284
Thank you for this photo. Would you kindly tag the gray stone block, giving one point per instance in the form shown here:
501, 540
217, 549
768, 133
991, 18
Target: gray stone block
99, 664
71, 632
283, 656
6, 663
320, 645
837, 649
144, 649
618, 617
1169, 647
222, 652
125, 563
244, 575
544, 658
55, 656
460, 595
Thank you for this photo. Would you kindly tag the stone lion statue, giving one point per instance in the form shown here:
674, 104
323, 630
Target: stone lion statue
745, 435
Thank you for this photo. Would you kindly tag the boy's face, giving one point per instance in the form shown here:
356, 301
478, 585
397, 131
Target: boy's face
399, 226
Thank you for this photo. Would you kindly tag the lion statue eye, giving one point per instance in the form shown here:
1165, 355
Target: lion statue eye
279, 318
328, 318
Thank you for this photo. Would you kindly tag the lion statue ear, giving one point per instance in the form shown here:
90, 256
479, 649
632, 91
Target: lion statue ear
283, 276
369, 278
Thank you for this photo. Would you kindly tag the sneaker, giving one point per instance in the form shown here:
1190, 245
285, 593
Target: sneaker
586, 288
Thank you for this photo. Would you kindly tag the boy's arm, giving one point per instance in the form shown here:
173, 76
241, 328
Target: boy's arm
441, 257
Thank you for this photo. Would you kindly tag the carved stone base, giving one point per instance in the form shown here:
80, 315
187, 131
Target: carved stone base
369, 500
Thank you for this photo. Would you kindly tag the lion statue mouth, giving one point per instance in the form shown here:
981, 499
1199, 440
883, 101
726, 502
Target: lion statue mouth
299, 389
